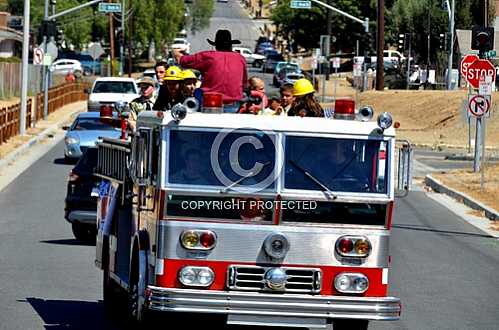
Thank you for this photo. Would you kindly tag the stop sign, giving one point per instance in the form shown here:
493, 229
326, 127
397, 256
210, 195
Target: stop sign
478, 70
466, 62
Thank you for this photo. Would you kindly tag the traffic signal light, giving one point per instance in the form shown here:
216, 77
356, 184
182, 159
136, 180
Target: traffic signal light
442, 41
482, 38
401, 42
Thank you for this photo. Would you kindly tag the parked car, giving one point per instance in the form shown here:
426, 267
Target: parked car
286, 75
277, 80
251, 58
292, 77
261, 40
64, 66
84, 132
149, 73
90, 66
182, 44
261, 48
109, 90
80, 205
271, 62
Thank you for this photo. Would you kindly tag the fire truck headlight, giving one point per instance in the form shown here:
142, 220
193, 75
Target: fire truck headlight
385, 120
196, 276
353, 246
351, 283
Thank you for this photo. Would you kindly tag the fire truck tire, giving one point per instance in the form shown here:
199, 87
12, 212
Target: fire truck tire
137, 312
84, 233
345, 324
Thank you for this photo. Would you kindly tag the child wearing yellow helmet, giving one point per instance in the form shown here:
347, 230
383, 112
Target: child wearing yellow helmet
172, 94
305, 104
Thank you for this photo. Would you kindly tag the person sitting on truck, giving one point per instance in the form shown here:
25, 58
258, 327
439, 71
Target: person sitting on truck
144, 102
173, 92
305, 104
338, 167
287, 98
192, 172
256, 92
223, 70
190, 86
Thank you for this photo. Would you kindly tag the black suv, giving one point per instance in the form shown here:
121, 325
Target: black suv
81, 197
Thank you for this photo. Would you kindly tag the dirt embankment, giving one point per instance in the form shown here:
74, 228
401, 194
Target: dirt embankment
434, 118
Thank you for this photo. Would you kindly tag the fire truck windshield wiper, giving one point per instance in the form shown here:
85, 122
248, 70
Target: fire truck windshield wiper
250, 174
313, 178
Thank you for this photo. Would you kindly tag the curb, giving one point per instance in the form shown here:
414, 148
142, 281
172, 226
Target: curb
36, 139
439, 187
470, 158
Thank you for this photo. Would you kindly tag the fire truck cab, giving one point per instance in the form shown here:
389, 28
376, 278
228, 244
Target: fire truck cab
263, 220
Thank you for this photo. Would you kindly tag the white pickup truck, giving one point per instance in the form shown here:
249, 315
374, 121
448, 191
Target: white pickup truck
251, 58
109, 90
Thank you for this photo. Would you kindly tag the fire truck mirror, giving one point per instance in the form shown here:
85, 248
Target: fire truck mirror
404, 168
142, 156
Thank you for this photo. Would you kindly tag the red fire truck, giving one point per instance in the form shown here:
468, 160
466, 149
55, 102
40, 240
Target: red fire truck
262, 220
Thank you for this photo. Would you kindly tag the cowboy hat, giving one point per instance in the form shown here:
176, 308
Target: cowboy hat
223, 37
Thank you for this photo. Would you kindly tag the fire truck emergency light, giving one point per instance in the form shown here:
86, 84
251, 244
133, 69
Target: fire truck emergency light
198, 239
353, 246
212, 102
344, 109
385, 120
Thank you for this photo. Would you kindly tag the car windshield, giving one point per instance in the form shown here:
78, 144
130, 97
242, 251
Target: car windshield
90, 124
236, 159
121, 87
346, 165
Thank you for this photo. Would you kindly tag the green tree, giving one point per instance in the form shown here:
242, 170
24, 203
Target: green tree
200, 12
305, 26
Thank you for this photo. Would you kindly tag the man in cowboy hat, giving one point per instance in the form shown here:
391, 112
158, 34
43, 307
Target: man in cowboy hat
144, 102
223, 70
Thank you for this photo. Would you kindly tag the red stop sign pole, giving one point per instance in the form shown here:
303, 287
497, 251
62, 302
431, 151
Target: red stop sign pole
478, 70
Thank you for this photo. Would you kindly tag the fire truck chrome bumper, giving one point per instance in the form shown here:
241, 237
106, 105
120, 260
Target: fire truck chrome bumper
262, 304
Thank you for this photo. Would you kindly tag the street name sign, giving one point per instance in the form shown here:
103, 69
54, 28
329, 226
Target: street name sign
466, 62
107, 7
300, 4
478, 70
38, 54
478, 105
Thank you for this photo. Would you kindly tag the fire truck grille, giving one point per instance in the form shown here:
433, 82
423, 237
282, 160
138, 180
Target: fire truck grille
252, 278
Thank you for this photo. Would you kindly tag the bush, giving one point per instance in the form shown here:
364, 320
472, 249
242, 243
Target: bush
13, 59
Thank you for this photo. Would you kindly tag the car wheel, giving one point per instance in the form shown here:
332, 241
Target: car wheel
84, 233
87, 72
257, 64
275, 82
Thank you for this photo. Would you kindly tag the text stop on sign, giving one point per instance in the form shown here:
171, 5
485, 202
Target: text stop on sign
466, 62
478, 70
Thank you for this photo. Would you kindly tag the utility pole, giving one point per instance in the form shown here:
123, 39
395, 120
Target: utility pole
122, 40
111, 43
328, 32
130, 25
380, 46
46, 71
24, 79
451, 42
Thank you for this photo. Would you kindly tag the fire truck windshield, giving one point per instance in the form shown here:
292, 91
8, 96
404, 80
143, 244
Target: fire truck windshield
346, 165
222, 159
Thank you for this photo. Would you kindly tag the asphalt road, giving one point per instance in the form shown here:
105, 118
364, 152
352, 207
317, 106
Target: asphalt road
443, 269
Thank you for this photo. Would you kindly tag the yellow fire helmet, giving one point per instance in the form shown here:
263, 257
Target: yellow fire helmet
173, 73
302, 87
188, 74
